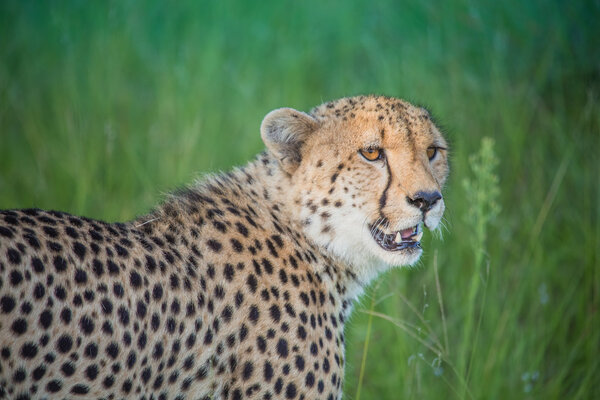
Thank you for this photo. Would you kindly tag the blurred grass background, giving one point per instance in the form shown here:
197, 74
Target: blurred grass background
105, 106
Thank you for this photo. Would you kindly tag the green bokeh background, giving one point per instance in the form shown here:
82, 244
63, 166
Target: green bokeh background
105, 106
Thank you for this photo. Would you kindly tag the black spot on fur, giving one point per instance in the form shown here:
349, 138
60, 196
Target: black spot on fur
51, 232
7, 304
13, 256
237, 246
79, 250
247, 371
68, 369
80, 389
282, 348
37, 264
91, 372
252, 283
80, 276
19, 326
29, 350
59, 264
275, 313
53, 386
87, 325
254, 314
64, 344
214, 245
268, 371
241, 228
135, 279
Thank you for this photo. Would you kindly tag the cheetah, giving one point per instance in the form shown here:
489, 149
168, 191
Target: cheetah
236, 287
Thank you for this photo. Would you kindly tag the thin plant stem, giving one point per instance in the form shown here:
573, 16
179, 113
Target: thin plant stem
549, 200
441, 301
479, 320
363, 362
406, 328
437, 350
423, 321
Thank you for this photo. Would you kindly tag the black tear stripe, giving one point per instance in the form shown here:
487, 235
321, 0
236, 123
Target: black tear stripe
383, 197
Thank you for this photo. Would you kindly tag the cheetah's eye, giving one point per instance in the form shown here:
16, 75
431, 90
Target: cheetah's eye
431, 152
371, 154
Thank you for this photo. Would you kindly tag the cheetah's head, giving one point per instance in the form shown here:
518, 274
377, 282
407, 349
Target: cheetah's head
366, 174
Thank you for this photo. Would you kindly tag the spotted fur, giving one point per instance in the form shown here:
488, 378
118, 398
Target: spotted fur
237, 287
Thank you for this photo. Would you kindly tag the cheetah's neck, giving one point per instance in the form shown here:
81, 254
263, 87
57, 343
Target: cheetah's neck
259, 190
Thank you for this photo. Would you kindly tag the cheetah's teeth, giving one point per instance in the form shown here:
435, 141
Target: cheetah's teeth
398, 238
419, 236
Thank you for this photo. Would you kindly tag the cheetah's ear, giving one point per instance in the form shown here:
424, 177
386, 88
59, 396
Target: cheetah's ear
284, 131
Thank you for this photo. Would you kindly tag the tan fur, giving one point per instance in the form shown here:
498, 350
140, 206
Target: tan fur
237, 287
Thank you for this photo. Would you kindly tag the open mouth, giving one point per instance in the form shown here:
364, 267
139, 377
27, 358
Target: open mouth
399, 240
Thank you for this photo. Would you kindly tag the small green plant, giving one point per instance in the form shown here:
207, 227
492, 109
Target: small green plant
482, 190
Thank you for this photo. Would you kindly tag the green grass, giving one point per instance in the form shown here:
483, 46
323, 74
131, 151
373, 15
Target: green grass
106, 106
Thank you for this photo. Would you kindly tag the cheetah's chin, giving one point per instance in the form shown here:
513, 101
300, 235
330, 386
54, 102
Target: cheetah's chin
409, 238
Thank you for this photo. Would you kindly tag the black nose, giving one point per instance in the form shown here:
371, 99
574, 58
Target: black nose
424, 200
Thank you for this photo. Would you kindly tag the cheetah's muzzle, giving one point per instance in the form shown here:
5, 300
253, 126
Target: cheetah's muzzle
398, 240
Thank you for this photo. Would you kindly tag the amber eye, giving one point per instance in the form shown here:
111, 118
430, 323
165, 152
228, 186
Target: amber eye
371, 154
431, 152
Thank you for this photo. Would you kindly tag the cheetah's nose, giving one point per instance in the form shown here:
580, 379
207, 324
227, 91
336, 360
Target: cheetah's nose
424, 200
